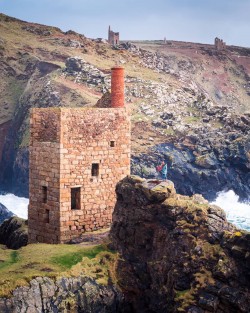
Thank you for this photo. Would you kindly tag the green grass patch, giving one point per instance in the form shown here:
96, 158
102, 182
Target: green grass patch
68, 260
17, 268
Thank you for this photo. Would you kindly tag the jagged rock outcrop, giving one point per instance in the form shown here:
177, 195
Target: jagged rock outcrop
196, 162
14, 233
178, 254
4, 213
64, 295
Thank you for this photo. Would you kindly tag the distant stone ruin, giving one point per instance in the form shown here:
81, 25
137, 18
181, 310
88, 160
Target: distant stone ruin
219, 44
113, 37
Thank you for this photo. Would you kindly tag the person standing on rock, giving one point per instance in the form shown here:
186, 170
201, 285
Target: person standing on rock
163, 170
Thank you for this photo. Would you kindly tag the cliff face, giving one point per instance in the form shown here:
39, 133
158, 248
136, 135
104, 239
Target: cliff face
178, 254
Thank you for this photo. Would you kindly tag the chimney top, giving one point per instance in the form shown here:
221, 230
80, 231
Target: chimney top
117, 87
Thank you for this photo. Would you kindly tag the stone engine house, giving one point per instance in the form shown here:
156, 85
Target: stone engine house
77, 156
219, 44
113, 37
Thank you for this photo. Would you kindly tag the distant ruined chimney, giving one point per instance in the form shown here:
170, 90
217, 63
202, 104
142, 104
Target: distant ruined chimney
117, 87
113, 37
219, 44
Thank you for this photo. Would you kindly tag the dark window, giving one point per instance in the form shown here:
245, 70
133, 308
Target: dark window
76, 198
95, 169
112, 143
45, 194
47, 216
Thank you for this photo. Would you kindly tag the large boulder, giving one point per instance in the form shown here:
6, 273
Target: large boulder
14, 233
178, 253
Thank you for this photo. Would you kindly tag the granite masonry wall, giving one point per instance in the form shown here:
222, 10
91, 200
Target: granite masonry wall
77, 156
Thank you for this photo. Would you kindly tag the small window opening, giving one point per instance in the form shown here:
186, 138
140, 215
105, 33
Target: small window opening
45, 194
76, 198
112, 143
47, 216
95, 169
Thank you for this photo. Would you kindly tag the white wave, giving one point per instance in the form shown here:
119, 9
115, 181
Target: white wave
17, 205
237, 212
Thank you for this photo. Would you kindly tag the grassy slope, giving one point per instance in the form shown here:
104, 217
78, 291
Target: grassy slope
210, 73
17, 268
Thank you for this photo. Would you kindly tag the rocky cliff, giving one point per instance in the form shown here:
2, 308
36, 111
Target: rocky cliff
178, 254
190, 102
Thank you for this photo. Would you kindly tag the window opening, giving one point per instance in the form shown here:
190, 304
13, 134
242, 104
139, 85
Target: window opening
47, 216
95, 169
45, 194
76, 198
112, 143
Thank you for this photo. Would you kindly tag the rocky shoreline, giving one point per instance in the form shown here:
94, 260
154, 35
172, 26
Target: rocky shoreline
176, 254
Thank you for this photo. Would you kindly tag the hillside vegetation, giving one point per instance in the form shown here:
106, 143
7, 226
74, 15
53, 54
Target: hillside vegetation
190, 103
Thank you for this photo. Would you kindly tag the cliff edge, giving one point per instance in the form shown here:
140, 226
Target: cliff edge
178, 253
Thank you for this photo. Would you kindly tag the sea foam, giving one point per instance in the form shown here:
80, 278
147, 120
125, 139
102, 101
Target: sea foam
17, 205
237, 212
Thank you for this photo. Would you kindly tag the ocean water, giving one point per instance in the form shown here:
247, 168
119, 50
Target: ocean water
17, 205
237, 212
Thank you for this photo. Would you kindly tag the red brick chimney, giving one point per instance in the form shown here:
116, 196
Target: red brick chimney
117, 87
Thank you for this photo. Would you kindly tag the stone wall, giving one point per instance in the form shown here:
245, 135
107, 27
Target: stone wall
44, 172
91, 154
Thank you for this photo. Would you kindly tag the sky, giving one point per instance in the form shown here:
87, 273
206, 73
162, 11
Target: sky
184, 20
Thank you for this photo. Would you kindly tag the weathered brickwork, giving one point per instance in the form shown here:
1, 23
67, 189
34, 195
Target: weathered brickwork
76, 158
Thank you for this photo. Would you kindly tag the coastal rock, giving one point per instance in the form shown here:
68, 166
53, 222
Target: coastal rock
4, 213
79, 294
178, 254
14, 233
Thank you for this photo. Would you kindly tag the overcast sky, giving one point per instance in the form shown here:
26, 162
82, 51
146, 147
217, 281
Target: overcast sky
187, 20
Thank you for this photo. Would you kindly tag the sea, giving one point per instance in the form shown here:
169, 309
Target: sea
237, 212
